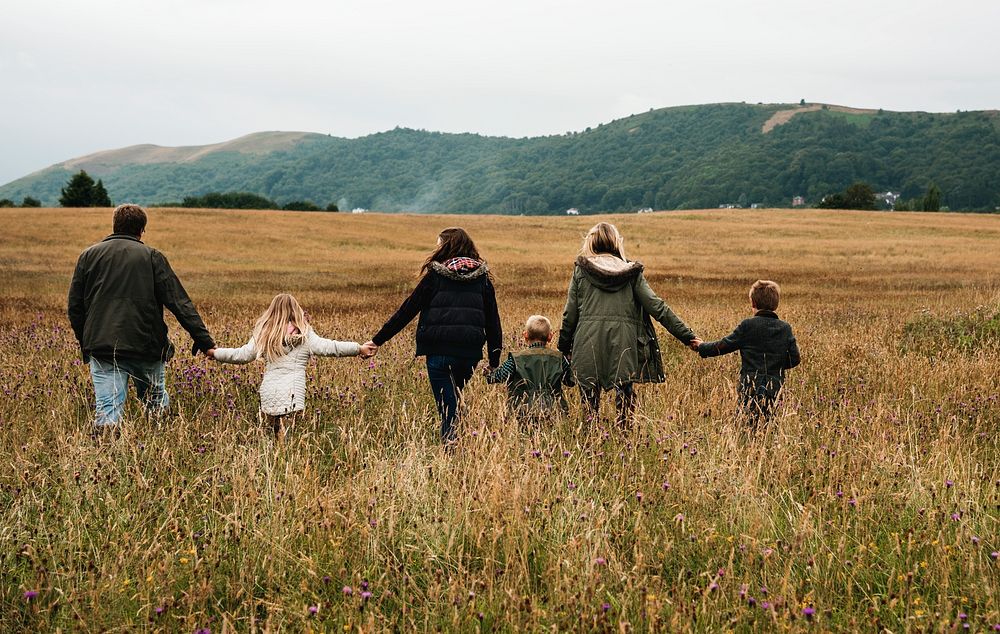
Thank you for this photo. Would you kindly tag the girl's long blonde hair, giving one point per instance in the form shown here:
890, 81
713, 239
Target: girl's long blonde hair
270, 333
603, 238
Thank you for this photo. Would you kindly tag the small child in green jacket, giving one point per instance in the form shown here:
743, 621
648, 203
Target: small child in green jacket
535, 375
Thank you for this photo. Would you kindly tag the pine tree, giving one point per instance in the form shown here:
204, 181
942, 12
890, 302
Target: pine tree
100, 196
932, 201
78, 192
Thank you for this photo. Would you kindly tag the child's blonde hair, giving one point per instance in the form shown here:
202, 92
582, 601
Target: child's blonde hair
270, 333
538, 328
765, 294
603, 238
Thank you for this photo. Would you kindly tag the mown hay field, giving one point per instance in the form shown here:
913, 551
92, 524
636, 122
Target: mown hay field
871, 502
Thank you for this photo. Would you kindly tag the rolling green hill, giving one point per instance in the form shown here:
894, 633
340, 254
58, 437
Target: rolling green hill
673, 158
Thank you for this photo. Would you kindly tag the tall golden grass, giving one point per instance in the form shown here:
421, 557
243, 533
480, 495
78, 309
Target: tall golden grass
870, 502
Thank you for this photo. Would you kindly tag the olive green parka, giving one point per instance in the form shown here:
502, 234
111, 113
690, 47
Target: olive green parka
607, 324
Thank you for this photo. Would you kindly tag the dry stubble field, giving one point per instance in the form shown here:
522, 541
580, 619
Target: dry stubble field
870, 503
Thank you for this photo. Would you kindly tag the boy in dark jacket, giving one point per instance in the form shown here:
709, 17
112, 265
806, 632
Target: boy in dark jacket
535, 375
767, 348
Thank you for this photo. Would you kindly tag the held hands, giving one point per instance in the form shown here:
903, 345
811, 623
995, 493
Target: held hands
368, 350
210, 353
694, 343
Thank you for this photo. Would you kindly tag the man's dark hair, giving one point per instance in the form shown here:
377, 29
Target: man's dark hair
130, 219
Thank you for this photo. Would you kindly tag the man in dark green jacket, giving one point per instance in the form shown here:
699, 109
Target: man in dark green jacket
116, 302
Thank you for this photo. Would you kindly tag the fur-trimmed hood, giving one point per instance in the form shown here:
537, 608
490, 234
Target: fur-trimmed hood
459, 276
609, 272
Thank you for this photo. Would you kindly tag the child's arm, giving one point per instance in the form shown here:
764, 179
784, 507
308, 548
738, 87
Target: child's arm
730, 343
504, 372
329, 348
793, 352
239, 356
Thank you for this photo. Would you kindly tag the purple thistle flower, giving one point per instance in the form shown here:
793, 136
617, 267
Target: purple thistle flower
30, 594
313, 609
366, 595
600, 561
765, 605
948, 484
962, 616
751, 601
203, 630
605, 607
955, 517
809, 612
348, 590
326, 578
638, 495
852, 502
975, 540
666, 486
535, 453
159, 610
713, 586
364, 584
995, 555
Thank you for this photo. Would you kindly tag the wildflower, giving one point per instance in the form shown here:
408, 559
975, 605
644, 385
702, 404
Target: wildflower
366, 595
962, 616
535, 453
326, 578
348, 591
852, 502
808, 612
159, 610
955, 517
666, 486
183, 560
30, 594
995, 555
203, 630
605, 607
638, 496
600, 561
975, 540
713, 586
313, 609
948, 484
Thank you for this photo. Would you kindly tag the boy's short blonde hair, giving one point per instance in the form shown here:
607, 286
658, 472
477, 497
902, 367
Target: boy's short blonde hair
538, 328
765, 294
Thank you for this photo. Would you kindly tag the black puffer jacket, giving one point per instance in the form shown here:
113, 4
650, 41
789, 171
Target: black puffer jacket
116, 302
458, 314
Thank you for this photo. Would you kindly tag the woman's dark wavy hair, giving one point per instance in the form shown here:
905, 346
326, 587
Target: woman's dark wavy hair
455, 243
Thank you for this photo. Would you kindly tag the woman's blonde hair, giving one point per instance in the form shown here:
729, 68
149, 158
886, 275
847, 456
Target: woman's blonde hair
603, 238
270, 333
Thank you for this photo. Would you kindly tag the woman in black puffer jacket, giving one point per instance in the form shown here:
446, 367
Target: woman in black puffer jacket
458, 314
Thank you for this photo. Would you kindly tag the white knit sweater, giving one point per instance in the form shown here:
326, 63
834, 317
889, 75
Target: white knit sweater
283, 388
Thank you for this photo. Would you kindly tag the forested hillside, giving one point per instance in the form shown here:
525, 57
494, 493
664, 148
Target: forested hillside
673, 158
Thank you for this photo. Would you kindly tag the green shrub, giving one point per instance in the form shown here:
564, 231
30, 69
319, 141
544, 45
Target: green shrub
965, 332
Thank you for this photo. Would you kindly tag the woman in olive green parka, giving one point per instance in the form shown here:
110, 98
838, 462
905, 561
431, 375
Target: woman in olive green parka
607, 330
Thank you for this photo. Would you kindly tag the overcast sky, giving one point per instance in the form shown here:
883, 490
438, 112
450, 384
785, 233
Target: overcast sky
79, 77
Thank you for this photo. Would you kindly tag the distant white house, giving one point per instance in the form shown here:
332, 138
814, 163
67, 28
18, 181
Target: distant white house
645, 210
889, 198
358, 210
758, 206
798, 201
572, 211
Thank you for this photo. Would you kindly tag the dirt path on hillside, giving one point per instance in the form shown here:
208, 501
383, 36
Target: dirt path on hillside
784, 116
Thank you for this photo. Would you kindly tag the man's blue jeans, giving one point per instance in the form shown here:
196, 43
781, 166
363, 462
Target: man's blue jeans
111, 387
448, 375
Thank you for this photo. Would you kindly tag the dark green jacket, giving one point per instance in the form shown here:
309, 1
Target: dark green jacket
607, 324
535, 386
116, 302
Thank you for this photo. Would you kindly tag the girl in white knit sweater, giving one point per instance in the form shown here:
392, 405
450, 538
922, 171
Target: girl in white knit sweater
284, 339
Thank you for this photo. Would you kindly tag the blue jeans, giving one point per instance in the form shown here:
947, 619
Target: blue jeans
111, 387
448, 375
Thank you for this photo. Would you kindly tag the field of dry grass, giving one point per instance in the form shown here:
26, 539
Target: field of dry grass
872, 501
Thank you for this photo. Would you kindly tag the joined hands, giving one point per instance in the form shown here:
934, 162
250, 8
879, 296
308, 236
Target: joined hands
368, 350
